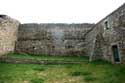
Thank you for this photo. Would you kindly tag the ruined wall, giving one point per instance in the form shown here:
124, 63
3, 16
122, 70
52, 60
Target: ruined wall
8, 34
52, 39
106, 33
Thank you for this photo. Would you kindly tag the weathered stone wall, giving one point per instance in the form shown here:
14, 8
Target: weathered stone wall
8, 34
106, 33
95, 41
52, 39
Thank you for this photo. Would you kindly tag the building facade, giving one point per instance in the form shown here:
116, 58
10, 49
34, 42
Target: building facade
106, 40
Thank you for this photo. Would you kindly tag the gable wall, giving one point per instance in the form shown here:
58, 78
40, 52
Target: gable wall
102, 39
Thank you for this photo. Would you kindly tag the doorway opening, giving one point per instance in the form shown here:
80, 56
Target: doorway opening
115, 52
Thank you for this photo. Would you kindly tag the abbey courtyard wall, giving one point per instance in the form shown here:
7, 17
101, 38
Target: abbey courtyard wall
52, 39
104, 40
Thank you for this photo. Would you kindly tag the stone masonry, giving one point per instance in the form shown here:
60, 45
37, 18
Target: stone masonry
107, 35
8, 34
104, 40
52, 39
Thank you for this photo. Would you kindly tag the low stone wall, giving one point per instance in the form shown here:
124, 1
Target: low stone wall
34, 61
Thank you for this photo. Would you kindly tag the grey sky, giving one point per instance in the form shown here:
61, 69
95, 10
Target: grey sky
59, 11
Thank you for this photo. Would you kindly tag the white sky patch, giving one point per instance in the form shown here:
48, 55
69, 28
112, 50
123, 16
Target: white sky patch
59, 11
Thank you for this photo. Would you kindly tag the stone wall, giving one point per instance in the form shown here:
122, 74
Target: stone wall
52, 39
95, 41
37, 61
106, 33
8, 34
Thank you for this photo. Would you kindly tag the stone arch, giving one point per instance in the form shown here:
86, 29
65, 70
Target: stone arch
97, 49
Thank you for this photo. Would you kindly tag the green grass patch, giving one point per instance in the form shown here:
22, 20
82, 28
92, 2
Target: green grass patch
79, 73
37, 80
89, 78
47, 57
76, 73
90, 72
87, 75
39, 69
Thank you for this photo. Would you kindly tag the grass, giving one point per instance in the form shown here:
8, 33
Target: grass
76, 73
37, 80
95, 72
79, 73
87, 75
45, 57
40, 69
89, 78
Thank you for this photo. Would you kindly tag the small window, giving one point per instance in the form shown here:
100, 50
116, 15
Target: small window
106, 25
2, 16
121, 20
53, 46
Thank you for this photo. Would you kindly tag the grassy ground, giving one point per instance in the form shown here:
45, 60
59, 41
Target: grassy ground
95, 72
45, 57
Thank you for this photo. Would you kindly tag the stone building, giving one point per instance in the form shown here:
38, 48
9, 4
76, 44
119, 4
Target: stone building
104, 40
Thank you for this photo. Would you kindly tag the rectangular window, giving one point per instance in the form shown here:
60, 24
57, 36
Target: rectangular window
106, 25
122, 20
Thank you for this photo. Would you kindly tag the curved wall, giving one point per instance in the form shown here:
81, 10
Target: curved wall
8, 34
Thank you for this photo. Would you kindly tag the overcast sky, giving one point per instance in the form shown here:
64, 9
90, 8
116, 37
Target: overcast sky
59, 11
